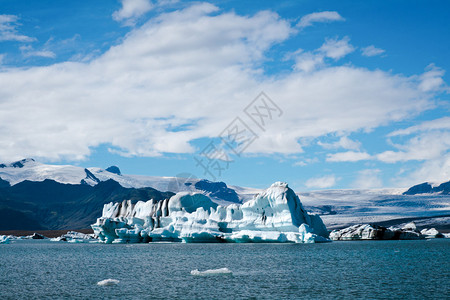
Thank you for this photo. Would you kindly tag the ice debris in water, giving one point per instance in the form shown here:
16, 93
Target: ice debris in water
108, 282
4, 239
221, 271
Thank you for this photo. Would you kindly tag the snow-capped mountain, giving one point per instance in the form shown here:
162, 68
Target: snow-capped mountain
27, 186
429, 188
31, 170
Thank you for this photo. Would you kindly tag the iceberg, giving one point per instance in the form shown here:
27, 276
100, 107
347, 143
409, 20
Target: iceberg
274, 215
75, 237
221, 271
431, 233
108, 282
375, 232
4, 239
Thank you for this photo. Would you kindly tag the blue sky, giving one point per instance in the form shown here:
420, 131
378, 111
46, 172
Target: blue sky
361, 89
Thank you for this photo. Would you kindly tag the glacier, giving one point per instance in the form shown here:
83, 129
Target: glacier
274, 215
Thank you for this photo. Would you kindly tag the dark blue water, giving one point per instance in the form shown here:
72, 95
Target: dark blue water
349, 270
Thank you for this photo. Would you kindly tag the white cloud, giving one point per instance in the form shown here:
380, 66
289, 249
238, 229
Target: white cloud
197, 69
319, 17
368, 179
332, 48
435, 170
429, 144
308, 62
8, 30
306, 162
131, 10
349, 156
372, 51
336, 49
425, 146
321, 182
432, 80
28, 51
437, 124
344, 142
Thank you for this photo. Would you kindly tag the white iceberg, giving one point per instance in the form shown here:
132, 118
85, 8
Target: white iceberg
108, 282
275, 215
221, 271
75, 237
4, 239
375, 232
431, 233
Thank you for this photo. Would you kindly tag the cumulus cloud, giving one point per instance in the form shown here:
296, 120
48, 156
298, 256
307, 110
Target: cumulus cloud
349, 156
336, 49
321, 182
428, 145
432, 80
194, 70
332, 48
425, 146
372, 51
9, 32
319, 17
132, 10
435, 170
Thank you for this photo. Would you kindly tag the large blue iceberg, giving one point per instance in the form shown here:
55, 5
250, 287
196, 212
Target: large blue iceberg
275, 215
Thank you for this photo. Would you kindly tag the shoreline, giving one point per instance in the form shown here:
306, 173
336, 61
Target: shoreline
46, 233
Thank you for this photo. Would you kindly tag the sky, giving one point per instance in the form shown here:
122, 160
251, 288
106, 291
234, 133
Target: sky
319, 94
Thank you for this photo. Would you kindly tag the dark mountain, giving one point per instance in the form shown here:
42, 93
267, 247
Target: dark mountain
217, 190
114, 169
52, 205
4, 183
90, 176
426, 188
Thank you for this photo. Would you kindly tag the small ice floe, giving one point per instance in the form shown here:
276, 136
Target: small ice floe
4, 239
108, 282
221, 271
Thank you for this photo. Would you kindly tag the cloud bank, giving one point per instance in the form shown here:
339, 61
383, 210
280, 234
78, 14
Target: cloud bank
186, 75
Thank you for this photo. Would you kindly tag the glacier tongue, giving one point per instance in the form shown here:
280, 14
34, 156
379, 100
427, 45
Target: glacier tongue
275, 215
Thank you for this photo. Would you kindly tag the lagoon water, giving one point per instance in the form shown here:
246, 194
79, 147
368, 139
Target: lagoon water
343, 270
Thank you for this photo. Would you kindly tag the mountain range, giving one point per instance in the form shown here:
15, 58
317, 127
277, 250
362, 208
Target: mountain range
37, 196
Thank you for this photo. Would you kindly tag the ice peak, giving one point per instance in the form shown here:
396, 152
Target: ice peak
19, 163
279, 184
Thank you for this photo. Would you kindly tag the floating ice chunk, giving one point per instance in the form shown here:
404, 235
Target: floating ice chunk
108, 282
307, 235
221, 271
431, 233
4, 239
